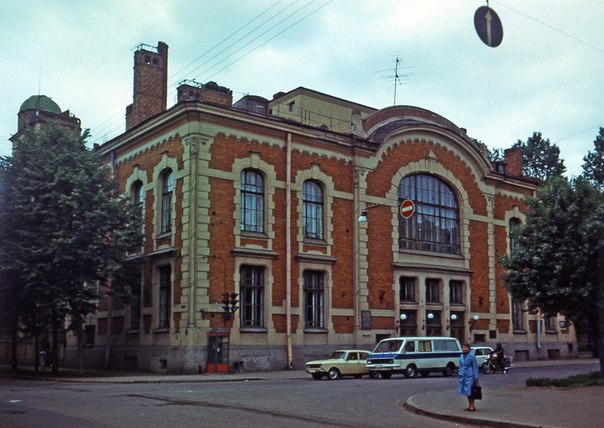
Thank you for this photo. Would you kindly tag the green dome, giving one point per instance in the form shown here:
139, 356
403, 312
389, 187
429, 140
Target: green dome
40, 102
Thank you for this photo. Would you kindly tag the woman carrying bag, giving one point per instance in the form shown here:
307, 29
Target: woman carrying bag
467, 380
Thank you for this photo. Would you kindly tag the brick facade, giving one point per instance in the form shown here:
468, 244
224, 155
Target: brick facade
207, 144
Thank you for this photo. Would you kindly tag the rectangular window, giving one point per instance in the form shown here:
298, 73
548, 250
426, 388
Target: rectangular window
433, 323
432, 290
251, 284
167, 189
89, 334
517, 315
407, 291
550, 323
313, 299
165, 291
252, 201
424, 346
312, 203
408, 323
135, 307
456, 292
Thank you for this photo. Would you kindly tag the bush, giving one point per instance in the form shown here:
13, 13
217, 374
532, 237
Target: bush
576, 381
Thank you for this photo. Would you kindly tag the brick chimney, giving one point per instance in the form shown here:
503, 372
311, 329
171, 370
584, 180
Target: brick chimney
150, 83
211, 92
513, 161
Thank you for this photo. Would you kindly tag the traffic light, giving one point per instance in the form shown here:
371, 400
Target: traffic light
234, 302
225, 302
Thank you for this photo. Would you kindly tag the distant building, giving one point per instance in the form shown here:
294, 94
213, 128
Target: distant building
38, 110
262, 198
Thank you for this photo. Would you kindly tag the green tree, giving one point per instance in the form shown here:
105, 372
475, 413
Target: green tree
541, 159
70, 231
9, 297
593, 162
555, 265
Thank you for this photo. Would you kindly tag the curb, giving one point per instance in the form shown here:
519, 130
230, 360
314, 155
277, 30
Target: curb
412, 406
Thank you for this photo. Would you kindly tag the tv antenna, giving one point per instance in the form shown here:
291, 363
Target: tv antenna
398, 77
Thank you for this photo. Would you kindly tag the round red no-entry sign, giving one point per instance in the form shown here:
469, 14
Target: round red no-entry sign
407, 208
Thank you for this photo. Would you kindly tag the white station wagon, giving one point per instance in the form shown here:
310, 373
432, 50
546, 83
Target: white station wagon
345, 362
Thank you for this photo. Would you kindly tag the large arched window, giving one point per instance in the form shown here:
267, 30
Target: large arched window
252, 201
312, 201
435, 224
167, 190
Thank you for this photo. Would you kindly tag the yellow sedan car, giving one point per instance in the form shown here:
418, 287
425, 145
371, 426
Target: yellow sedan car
346, 362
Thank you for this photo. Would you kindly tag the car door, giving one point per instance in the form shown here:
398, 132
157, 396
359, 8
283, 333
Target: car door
352, 364
363, 362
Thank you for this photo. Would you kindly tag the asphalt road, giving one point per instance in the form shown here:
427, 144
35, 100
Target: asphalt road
266, 403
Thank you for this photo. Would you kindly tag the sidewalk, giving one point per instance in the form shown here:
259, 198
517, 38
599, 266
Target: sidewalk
520, 406
501, 407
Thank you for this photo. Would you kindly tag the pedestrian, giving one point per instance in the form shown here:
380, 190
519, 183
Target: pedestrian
467, 375
499, 352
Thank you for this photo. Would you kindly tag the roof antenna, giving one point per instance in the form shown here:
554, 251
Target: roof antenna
40, 77
397, 77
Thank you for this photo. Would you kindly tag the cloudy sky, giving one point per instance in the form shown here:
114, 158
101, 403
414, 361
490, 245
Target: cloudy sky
547, 75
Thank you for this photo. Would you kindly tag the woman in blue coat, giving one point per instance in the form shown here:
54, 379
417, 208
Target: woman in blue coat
467, 375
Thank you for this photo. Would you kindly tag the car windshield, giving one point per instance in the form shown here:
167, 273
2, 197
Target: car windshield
338, 355
389, 346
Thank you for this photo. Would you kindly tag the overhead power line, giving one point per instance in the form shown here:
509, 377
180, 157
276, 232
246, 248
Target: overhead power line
545, 24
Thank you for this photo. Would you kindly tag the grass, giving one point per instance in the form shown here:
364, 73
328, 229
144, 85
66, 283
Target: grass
576, 381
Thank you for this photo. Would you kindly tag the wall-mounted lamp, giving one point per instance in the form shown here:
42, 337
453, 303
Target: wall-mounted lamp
363, 217
453, 317
430, 316
473, 320
403, 317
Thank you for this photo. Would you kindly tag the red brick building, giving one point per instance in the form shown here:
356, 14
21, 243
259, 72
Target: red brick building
263, 198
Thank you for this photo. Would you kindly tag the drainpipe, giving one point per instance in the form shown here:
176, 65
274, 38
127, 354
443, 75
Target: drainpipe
538, 328
288, 253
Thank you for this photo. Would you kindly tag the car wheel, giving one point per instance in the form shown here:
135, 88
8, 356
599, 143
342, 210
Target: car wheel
317, 376
448, 371
386, 375
333, 374
373, 374
411, 371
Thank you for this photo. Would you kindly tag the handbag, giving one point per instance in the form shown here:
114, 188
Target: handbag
476, 393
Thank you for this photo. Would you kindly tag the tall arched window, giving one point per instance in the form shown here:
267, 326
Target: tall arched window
514, 223
435, 224
137, 195
167, 190
312, 201
252, 201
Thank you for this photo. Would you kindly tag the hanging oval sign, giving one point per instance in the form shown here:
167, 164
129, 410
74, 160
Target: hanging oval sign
407, 208
488, 26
